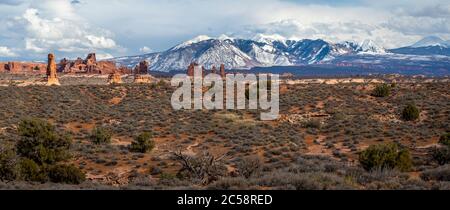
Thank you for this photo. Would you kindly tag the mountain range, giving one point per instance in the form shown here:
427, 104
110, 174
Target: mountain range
268, 51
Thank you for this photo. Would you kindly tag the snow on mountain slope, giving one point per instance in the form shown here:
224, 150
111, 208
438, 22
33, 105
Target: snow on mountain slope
262, 51
431, 45
430, 41
370, 47
192, 41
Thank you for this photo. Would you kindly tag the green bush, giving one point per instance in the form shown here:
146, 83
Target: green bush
382, 90
445, 139
441, 155
67, 174
40, 142
31, 171
8, 170
385, 156
142, 143
410, 113
101, 136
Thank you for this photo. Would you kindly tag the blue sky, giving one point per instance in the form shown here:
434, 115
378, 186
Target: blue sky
73, 28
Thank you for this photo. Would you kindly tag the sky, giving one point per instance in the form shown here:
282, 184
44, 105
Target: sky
73, 28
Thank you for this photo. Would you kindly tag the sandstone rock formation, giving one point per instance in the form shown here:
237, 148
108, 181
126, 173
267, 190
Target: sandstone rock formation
90, 65
190, 70
52, 79
142, 79
23, 67
191, 67
222, 71
141, 73
142, 67
115, 78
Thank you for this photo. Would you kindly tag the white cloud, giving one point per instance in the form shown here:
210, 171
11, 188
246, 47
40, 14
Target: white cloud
100, 42
6, 52
62, 32
145, 49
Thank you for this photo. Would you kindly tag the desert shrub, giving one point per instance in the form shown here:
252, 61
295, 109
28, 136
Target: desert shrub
439, 174
67, 174
248, 167
382, 90
441, 155
40, 142
31, 171
142, 143
204, 168
410, 113
312, 124
445, 139
8, 170
101, 135
385, 156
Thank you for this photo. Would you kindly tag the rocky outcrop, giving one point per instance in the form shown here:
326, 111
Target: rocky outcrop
191, 68
15, 67
90, 65
142, 67
142, 79
115, 78
141, 75
52, 78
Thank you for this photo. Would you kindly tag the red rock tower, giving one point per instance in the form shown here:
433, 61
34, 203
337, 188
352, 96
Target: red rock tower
141, 72
52, 78
222, 71
142, 68
190, 70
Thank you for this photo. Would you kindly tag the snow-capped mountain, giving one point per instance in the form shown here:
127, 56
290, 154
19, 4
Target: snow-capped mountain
430, 41
431, 45
369, 46
261, 51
